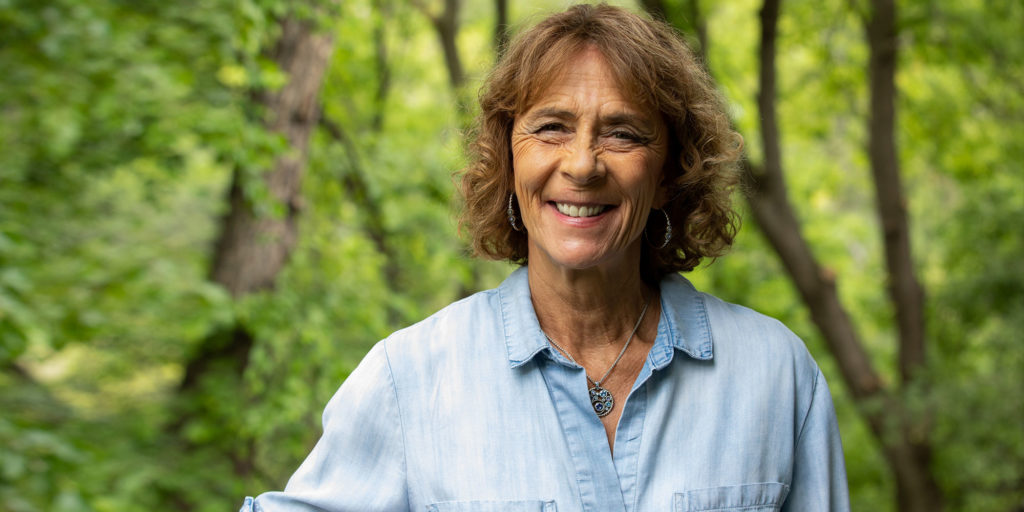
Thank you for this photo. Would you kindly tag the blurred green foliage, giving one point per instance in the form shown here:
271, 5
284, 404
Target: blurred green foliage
120, 124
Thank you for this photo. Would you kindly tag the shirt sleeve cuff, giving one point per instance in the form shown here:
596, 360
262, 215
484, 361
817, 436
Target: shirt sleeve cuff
249, 505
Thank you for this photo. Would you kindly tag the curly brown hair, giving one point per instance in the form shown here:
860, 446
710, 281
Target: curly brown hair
653, 64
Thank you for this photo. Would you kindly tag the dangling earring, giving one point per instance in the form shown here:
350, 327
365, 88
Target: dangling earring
668, 231
512, 213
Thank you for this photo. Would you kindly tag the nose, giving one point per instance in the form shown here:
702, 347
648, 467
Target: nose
583, 164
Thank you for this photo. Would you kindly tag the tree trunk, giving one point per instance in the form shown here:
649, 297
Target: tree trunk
917, 489
253, 248
905, 454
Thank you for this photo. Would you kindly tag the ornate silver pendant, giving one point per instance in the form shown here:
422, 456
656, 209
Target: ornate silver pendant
602, 400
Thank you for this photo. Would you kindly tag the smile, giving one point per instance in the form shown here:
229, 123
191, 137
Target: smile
573, 210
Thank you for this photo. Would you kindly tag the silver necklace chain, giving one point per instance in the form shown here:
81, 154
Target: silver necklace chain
600, 398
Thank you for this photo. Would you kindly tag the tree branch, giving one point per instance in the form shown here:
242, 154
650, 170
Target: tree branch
693, 22
446, 25
700, 27
354, 184
381, 64
501, 27
771, 208
656, 8
904, 289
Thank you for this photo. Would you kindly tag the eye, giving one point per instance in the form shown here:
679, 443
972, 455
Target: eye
550, 127
628, 136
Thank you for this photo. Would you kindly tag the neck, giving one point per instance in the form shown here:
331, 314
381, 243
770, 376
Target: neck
588, 309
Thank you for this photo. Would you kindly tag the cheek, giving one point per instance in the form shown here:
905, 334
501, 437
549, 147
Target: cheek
645, 178
530, 163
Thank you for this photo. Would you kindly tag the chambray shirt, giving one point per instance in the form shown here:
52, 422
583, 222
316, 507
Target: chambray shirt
472, 410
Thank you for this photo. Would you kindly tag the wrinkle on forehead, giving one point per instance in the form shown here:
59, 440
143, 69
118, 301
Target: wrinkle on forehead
555, 70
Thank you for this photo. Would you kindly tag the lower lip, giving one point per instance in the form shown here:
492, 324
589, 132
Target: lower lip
580, 222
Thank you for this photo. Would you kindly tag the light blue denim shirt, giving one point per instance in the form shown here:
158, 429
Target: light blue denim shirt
472, 410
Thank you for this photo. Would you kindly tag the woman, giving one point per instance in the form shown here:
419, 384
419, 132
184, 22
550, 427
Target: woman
595, 377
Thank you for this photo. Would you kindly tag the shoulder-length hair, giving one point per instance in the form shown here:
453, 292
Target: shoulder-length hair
653, 64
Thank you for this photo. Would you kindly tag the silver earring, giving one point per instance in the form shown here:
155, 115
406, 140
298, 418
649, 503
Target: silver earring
668, 231
512, 213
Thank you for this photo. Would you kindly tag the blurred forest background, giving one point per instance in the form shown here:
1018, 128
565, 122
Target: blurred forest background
209, 211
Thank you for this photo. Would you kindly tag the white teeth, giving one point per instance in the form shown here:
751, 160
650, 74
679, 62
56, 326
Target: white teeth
579, 211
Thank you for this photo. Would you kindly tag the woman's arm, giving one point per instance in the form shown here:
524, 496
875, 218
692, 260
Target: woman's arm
819, 473
359, 462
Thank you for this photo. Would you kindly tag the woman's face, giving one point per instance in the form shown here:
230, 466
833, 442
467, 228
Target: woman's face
588, 166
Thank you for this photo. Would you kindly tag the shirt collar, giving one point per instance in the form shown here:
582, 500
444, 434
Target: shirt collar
683, 325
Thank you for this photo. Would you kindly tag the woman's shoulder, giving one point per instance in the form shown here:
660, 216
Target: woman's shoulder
736, 331
463, 314
731, 318
463, 329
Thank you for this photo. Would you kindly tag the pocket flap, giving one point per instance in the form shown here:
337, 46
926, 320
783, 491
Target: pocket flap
748, 497
493, 506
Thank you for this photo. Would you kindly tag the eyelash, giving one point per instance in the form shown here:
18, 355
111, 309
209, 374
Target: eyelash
619, 134
550, 127
630, 136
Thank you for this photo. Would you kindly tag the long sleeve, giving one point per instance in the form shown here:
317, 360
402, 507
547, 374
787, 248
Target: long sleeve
819, 473
359, 463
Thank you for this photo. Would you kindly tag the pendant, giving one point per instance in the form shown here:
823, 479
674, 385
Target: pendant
602, 400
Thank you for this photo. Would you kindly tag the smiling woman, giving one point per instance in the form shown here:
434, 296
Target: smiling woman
595, 377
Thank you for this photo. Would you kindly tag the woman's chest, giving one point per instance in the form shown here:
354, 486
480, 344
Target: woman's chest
539, 446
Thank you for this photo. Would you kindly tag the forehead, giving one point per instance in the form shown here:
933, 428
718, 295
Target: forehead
584, 67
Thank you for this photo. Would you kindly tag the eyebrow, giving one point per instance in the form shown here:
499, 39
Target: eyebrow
556, 112
625, 118
614, 118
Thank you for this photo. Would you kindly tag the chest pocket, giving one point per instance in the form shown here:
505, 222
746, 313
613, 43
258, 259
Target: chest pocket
493, 506
763, 497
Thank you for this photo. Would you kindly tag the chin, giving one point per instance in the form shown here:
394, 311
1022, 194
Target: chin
582, 253
580, 259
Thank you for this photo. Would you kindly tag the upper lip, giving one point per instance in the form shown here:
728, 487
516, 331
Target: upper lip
580, 203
